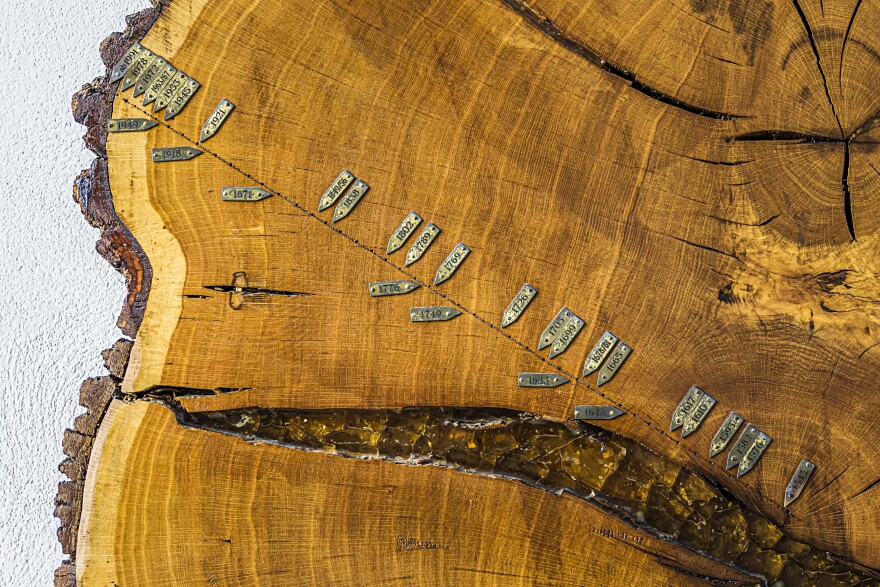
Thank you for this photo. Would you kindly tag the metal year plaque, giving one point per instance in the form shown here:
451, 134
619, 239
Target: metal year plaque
140, 65
149, 74
216, 120
685, 407
547, 380
186, 91
129, 124
571, 329
615, 361
174, 154
452, 263
742, 446
551, 333
336, 189
351, 199
798, 481
243, 194
699, 413
433, 314
169, 90
124, 64
597, 412
159, 82
599, 352
759, 445
379, 289
523, 298
725, 434
418, 248
403, 232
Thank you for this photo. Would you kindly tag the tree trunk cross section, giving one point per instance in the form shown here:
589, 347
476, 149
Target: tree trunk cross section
698, 177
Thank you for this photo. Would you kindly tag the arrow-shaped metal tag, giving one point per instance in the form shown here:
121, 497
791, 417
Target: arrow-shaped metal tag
798, 481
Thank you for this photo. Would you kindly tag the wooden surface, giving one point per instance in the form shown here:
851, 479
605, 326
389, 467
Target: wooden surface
698, 177
311, 519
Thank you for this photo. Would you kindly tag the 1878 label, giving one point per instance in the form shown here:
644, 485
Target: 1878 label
599, 352
140, 65
406, 228
515, 309
418, 248
452, 263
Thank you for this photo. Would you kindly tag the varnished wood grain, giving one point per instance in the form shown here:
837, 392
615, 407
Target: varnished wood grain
263, 515
644, 190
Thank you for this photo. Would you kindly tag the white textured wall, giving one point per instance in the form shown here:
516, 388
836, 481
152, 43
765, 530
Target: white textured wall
58, 299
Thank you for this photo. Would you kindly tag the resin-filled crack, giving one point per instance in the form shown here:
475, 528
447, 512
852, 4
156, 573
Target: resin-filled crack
611, 471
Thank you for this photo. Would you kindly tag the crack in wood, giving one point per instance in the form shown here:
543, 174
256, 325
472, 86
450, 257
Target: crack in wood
606, 469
